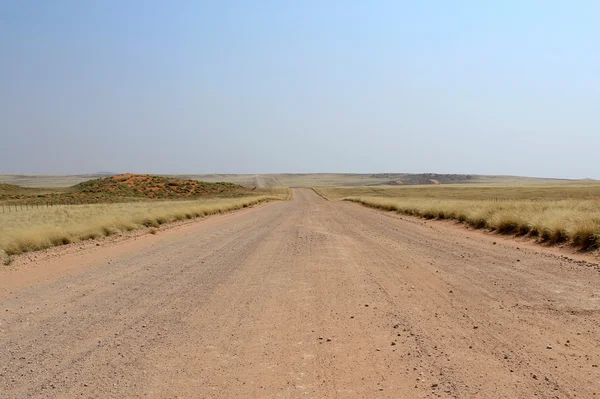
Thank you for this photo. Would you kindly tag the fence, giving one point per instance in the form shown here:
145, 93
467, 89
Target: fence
6, 208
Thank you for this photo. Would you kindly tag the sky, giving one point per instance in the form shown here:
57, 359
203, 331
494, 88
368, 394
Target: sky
507, 87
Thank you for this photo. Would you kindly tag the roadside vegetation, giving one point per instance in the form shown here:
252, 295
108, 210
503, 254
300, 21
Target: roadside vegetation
563, 213
118, 209
121, 188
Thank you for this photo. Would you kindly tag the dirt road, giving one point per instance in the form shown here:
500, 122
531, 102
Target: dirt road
305, 298
260, 182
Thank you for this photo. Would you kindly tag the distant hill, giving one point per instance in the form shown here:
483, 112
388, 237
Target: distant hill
421, 178
149, 186
8, 187
14, 190
120, 188
388, 179
297, 179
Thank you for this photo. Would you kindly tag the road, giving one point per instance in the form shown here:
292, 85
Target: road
260, 182
305, 298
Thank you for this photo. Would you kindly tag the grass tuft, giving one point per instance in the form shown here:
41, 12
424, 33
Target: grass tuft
557, 214
5, 258
35, 230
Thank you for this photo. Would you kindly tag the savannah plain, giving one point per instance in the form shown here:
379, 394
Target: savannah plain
317, 285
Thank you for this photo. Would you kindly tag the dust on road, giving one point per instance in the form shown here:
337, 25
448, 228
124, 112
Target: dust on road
305, 298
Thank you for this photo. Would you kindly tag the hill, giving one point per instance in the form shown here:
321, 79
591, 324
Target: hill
16, 190
7, 188
121, 188
394, 179
149, 186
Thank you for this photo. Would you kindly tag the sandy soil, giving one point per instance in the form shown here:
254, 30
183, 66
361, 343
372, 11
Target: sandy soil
305, 298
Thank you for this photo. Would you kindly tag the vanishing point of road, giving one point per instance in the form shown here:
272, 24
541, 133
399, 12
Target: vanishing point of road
304, 298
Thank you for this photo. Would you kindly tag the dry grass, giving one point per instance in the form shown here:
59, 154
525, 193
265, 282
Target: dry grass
119, 188
283, 193
386, 179
5, 258
39, 229
562, 213
241, 179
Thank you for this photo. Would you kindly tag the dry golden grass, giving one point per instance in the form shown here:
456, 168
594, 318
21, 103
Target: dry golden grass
283, 193
562, 213
47, 227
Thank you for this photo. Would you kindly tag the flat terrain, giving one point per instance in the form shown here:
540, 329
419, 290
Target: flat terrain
304, 298
30, 220
47, 181
368, 179
567, 213
297, 179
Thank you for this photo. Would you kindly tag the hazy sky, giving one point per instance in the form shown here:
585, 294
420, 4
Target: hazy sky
488, 87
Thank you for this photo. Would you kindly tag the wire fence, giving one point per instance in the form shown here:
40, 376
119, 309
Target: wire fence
7, 208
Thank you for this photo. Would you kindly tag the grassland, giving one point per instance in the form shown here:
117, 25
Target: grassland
47, 227
119, 188
394, 179
241, 179
357, 179
113, 205
297, 179
47, 181
568, 213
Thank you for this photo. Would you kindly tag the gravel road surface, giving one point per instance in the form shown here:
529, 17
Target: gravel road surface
305, 298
